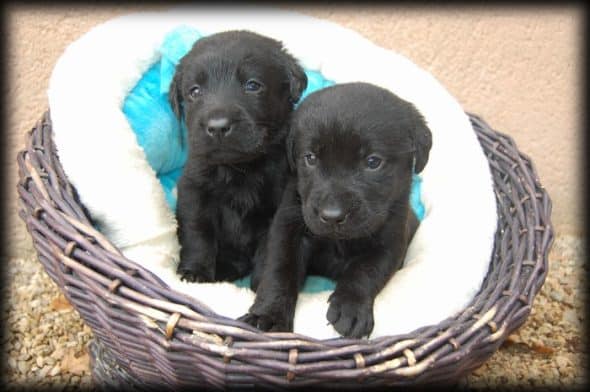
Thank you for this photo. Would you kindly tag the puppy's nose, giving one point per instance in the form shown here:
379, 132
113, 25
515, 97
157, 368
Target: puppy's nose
218, 127
332, 215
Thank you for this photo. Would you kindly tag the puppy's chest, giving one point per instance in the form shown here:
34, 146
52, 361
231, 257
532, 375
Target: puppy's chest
242, 205
240, 192
332, 257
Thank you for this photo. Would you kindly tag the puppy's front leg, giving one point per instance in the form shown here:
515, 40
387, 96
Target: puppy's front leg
196, 233
258, 261
351, 304
283, 271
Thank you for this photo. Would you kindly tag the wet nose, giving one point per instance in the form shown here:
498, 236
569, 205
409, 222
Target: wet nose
332, 215
218, 127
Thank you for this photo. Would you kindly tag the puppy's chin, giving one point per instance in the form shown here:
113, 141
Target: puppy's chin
236, 149
232, 157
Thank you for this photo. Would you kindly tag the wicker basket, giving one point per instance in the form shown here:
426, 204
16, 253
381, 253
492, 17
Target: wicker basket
148, 335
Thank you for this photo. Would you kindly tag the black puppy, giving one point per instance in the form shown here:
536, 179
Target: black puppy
235, 90
346, 213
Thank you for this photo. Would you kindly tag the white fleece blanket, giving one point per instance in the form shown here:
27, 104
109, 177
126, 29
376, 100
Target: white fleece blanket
449, 255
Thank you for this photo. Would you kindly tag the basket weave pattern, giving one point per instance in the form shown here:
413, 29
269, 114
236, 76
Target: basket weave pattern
146, 334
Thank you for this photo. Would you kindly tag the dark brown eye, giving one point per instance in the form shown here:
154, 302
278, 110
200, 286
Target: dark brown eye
195, 91
374, 162
310, 159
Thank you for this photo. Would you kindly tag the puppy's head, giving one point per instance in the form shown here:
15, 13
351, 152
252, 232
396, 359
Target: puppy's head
235, 90
354, 147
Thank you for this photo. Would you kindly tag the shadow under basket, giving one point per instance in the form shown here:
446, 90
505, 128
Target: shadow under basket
146, 335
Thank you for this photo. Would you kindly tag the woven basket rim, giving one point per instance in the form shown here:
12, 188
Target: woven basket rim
128, 308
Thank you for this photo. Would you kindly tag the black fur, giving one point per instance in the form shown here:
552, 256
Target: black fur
345, 211
235, 90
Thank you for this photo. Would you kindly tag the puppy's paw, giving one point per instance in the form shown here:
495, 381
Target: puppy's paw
270, 322
351, 316
194, 272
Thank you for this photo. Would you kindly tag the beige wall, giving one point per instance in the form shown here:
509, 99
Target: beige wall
519, 68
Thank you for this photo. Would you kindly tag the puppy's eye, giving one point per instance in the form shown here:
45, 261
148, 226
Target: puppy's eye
253, 86
310, 159
195, 91
374, 162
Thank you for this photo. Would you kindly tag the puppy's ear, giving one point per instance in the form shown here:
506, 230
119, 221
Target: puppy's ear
174, 95
291, 154
422, 142
297, 77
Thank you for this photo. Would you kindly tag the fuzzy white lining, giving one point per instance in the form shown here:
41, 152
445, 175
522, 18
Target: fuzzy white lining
449, 255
